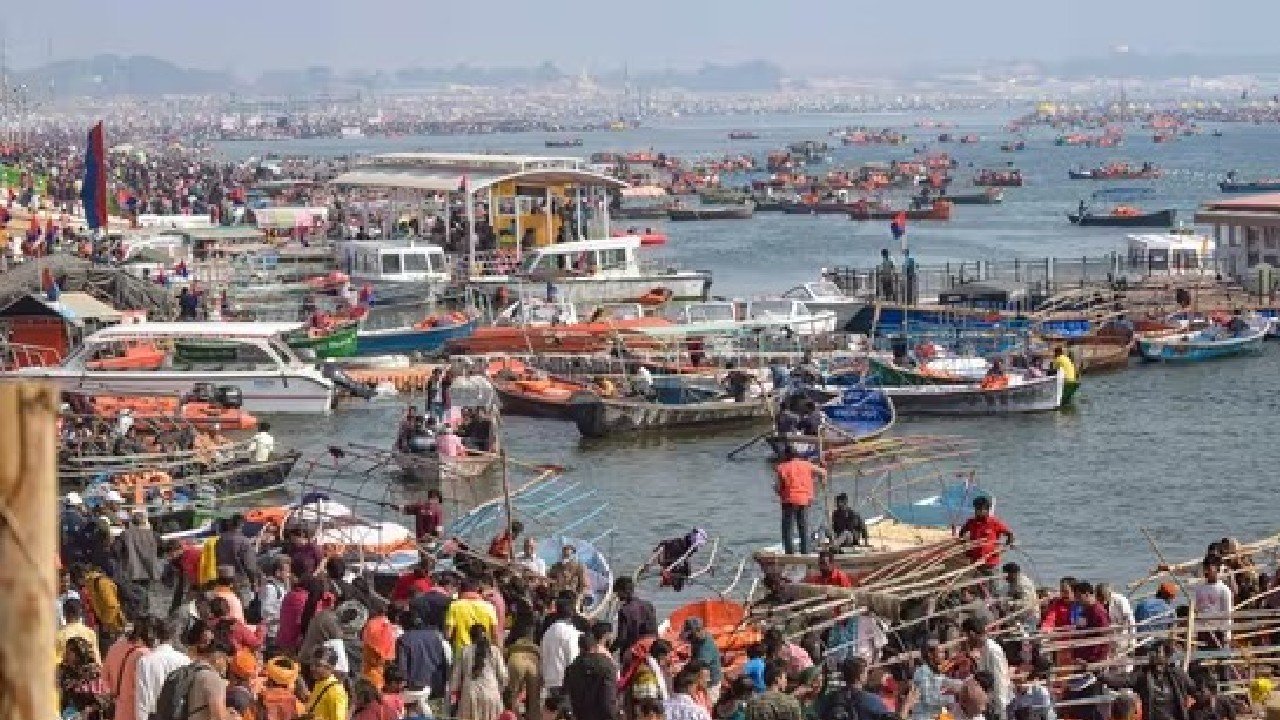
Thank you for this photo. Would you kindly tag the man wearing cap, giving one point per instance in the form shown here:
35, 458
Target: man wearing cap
1155, 614
704, 650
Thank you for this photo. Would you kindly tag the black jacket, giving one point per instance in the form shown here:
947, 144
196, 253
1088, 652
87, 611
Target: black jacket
591, 683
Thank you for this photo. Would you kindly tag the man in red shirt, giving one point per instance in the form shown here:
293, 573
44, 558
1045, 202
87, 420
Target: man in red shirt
503, 545
984, 531
412, 583
795, 488
827, 572
428, 517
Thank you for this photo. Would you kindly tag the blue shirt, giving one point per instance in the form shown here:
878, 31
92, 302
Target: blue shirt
1153, 613
754, 669
708, 654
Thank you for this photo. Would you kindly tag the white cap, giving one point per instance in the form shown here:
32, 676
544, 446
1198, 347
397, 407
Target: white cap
113, 496
73, 498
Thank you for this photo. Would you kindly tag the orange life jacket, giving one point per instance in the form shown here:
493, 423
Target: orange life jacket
795, 482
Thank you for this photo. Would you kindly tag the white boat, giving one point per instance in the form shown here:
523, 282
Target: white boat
825, 295
1021, 395
592, 271
716, 317
790, 315
141, 359
378, 263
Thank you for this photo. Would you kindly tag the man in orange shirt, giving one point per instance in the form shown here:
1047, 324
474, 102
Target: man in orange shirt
827, 572
795, 487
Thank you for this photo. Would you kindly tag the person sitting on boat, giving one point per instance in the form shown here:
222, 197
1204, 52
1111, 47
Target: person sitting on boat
262, 444
812, 420
737, 382
848, 529
1063, 365
827, 572
995, 379
1238, 324
503, 545
448, 444
408, 430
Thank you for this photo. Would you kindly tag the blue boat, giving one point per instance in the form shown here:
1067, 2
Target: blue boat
1200, 345
860, 412
896, 319
405, 340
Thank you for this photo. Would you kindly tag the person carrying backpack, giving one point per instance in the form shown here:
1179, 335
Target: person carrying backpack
197, 691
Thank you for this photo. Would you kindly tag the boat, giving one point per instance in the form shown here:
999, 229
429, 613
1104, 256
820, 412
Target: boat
992, 196
860, 413
1208, 344
1124, 216
780, 316
1254, 186
531, 393
332, 342
532, 325
1021, 395
891, 541
678, 405
831, 208
998, 178
133, 360
563, 143
606, 270
1013, 146
740, 212
939, 210
432, 470
427, 337
743, 135
1119, 171
723, 196
824, 295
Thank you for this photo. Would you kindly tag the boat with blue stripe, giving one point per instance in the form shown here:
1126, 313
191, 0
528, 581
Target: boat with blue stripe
406, 340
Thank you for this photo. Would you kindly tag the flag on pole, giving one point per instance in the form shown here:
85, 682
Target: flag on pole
94, 191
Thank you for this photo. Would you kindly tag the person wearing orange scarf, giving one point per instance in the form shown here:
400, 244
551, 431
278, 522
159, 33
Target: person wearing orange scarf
379, 642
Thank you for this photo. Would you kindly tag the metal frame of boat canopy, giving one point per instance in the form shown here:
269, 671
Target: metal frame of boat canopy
449, 173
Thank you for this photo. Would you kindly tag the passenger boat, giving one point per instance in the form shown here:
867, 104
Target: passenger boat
395, 265
1021, 395
427, 337
432, 470
678, 405
1254, 186
766, 316
139, 359
535, 326
1207, 344
1119, 171
998, 178
825, 295
1124, 216
564, 143
606, 270
743, 135
992, 196
333, 342
740, 212
939, 210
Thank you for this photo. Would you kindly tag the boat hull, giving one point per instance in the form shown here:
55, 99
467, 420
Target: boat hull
402, 341
982, 198
521, 401
1160, 219
1040, 395
940, 211
341, 342
598, 417
1174, 349
710, 213
683, 286
1248, 187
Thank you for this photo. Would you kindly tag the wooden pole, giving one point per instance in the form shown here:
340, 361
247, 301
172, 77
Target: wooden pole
28, 546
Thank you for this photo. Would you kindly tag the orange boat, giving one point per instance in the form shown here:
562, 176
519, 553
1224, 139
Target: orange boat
529, 392
727, 623
200, 414
138, 356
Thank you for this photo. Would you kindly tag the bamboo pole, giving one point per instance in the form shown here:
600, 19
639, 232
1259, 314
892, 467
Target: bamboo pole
28, 545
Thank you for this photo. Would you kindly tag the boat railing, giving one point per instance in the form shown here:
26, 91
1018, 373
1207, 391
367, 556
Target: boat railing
1045, 275
20, 355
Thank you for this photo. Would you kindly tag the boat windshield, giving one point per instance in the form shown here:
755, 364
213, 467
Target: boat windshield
824, 289
769, 309
707, 312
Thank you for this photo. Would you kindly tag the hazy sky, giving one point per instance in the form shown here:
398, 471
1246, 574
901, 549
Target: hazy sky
248, 36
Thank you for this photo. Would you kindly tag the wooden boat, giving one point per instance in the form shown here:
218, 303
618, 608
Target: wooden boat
432, 470
1019, 396
891, 541
742, 212
860, 412
338, 341
534, 326
420, 338
722, 196
939, 210
1255, 186
598, 417
1115, 172
530, 394
1196, 346
991, 197
1159, 219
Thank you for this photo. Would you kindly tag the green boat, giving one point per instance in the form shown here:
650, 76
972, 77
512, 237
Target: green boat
338, 342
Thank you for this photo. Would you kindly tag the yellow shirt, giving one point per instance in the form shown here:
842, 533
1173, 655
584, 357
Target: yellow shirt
465, 613
76, 630
328, 700
1064, 366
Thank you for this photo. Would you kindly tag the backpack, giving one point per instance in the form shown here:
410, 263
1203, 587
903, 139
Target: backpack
277, 703
176, 691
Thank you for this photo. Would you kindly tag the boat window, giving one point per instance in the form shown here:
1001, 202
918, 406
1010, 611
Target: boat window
436, 262
391, 264
416, 263
613, 259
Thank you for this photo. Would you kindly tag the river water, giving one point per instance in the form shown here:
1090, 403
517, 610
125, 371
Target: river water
1181, 451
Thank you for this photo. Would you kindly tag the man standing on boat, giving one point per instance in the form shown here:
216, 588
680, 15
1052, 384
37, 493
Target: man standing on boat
888, 275
908, 277
983, 531
795, 488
